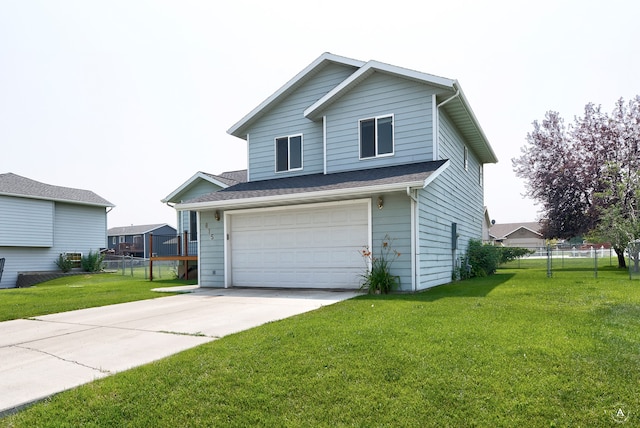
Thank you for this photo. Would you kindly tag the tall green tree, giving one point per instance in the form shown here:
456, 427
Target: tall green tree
585, 176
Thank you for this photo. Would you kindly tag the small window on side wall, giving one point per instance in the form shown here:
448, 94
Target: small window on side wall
193, 225
289, 153
466, 159
376, 137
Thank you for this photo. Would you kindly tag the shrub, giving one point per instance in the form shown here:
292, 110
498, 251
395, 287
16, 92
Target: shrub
377, 278
484, 259
508, 254
92, 262
64, 263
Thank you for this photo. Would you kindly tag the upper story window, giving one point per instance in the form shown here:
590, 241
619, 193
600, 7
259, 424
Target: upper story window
289, 153
376, 137
466, 159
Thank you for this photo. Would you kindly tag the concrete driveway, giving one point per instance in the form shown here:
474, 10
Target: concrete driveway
48, 354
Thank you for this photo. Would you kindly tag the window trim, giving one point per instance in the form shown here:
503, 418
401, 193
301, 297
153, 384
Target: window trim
393, 136
275, 147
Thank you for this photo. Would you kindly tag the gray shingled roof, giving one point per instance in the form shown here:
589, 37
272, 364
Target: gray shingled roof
230, 177
134, 229
16, 185
410, 173
501, 231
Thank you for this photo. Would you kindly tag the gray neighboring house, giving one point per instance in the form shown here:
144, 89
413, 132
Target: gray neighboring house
134, 240
39, 221
343, 155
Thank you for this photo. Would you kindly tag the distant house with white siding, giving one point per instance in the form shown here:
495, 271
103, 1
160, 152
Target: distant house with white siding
39, 221
343, 155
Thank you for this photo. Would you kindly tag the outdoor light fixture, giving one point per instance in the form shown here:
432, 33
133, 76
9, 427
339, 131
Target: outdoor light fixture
217, 215
380, 202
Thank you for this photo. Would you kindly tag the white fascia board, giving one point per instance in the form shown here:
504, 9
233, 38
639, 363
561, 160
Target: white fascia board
197, 175
436, 173
314, 111
299, 197
235, 130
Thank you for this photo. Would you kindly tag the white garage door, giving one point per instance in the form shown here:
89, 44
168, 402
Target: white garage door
309, 247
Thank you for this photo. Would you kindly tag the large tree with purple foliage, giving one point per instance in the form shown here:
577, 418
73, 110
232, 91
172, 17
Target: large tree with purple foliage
584, 175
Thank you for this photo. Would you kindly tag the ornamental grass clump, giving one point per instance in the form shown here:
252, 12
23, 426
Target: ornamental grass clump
378, 278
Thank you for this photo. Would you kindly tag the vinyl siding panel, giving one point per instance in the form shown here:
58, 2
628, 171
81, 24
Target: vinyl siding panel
26, 222
76, 228
287, 119
409, 102
394, 221
211, 250
454, 197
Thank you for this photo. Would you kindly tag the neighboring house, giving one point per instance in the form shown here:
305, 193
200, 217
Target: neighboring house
134, 240
342, 156
38, 222
525, 235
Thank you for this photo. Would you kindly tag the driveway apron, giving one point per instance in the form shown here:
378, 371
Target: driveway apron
48, 354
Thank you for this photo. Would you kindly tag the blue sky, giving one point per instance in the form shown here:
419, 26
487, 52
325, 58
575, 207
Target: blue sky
131, 98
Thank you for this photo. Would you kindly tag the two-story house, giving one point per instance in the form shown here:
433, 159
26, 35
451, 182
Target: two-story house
343, 155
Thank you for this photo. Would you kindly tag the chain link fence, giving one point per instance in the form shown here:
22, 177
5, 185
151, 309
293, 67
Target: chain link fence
139, 267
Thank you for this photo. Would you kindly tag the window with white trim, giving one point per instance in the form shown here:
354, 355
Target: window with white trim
121, 239
289, 153
74, 258
376, 137
466, 159
480, 175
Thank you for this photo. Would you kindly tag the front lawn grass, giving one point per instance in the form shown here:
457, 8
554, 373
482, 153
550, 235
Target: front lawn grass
514, 349
77, 292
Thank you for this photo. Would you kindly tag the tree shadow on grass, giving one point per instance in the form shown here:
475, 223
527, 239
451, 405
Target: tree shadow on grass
475, 287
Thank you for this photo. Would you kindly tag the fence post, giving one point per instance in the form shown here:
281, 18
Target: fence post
595, 264
151, 258
123, 265
549, 271
131, 265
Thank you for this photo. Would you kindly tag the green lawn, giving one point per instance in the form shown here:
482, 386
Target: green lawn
77, 292
515, 349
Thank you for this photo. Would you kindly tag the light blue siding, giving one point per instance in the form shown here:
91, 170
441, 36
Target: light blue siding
26, 222
454, 197
76, 228
409, 102
394, 221
287, 119
211, 250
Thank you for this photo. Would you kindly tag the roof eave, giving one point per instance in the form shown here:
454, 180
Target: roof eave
304, 197
239, 128
66, 201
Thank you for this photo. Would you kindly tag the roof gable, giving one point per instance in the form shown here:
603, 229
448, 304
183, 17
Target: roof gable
239, 129
223, 181
18, 186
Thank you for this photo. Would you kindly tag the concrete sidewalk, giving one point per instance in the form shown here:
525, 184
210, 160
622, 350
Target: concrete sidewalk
48, 354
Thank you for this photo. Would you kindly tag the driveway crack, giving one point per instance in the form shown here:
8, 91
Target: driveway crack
78, 363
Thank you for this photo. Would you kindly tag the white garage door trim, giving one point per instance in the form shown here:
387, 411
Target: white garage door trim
322, 211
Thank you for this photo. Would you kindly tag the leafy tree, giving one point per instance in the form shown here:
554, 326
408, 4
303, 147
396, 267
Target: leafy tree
583, 176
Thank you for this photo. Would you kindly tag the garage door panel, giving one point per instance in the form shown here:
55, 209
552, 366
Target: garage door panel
310, 247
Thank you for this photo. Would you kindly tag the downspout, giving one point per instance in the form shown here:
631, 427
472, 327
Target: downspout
415, 248
436, 141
